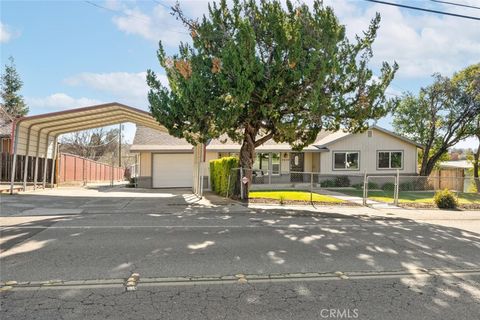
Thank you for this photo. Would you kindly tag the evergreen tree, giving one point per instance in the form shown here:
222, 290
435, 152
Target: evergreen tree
261, 71
10, 86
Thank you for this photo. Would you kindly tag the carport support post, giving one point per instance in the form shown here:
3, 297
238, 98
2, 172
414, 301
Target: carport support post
14, 168
111, 169
25, 172
52, 185
14, 160
44, 182
35, 174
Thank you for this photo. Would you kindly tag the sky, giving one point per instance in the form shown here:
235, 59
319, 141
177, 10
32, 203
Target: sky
75, 53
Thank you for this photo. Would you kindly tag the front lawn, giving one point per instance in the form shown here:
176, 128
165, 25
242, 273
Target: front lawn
410, 196
288, 195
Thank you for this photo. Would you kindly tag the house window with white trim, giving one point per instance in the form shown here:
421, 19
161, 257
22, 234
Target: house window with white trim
346, 160
390, 159
266, 163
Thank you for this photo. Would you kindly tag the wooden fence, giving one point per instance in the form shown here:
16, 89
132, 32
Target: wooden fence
71, 168
74, 168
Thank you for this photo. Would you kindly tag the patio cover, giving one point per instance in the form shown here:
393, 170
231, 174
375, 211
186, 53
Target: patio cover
36, 136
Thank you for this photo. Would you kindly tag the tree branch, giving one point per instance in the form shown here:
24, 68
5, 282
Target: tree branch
264, 139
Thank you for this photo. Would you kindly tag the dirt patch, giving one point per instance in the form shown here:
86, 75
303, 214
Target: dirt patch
298, 202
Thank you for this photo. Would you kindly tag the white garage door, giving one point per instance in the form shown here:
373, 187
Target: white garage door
172, 170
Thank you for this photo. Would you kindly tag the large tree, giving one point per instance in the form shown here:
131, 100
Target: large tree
10, 86
469, 82
96, 144
439, 117
261, 71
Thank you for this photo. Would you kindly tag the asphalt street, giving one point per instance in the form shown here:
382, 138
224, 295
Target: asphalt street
70, 259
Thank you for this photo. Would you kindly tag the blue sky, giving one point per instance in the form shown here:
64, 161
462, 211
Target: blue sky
73, 53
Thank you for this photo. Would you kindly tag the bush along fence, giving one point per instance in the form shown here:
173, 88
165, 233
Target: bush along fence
223, 178
361, 188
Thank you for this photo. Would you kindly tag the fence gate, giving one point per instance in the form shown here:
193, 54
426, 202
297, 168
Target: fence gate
380, 189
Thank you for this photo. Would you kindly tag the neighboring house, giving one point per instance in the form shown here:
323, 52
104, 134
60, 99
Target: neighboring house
5, 130
166, 161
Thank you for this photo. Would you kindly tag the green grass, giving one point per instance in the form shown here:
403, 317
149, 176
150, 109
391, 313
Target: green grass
292, 196
410, 196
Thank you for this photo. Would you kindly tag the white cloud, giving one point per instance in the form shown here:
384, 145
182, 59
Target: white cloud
59, 101
422, 43
159, 25
6, 33
125, 87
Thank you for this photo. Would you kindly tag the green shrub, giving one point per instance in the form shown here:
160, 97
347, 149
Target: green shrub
445, 199
220, 172
342, 181
358, 186
407, 186
388, 186
327, 184
372, 185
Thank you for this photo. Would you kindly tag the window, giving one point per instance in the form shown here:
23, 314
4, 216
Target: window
346, 160
390, 159
267, 162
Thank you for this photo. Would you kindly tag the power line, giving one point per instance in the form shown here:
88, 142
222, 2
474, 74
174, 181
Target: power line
116, 11
132, 15
162, 4
424, 9
456, 4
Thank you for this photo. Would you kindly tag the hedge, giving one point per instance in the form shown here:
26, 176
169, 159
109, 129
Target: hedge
220, 172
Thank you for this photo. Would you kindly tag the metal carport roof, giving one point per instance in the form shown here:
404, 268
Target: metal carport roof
35, 136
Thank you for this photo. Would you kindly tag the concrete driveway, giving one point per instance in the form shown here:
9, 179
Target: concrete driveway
71, 251
100, 199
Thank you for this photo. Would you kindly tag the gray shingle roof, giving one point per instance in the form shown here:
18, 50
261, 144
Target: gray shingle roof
147, 139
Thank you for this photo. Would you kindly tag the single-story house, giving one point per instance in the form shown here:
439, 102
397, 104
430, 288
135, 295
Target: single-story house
166, 161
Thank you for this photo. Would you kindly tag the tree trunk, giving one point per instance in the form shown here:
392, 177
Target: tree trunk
247, 157
428, 166
423, 167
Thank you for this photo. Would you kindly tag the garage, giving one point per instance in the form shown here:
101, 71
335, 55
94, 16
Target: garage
172, 170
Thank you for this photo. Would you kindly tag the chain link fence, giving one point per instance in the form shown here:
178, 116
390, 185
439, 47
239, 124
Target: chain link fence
366, 189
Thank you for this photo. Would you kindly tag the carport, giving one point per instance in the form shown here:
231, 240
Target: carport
36, 136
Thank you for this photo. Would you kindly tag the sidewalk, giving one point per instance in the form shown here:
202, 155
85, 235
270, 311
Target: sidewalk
359, 200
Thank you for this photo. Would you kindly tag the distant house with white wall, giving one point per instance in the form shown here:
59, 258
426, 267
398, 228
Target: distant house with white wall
166, 161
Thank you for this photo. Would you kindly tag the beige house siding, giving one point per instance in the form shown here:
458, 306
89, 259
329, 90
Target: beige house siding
145, 178
368, 148
307, 162
316, 162
209, 156
145, 164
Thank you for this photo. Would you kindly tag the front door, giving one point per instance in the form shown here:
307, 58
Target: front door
297, 164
